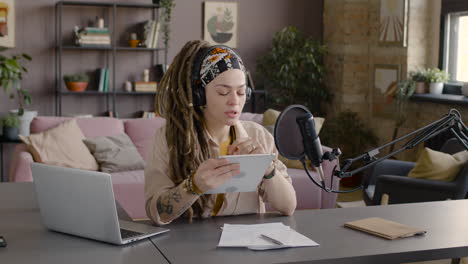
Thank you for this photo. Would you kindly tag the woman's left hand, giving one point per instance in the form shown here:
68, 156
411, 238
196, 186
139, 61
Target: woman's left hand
244, 146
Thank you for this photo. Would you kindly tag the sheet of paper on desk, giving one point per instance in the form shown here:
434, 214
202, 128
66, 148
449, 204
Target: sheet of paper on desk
262, 236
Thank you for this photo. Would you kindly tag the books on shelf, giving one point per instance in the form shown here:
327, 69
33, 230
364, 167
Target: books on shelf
92, 37
151, 33
145, 86
103, 81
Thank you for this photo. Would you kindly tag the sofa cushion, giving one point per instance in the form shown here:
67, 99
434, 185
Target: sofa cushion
141, 132
435, 165
303, 185
91, 127
257, 118
61, 146
115, 153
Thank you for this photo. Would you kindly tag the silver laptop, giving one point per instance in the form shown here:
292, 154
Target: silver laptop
81, 203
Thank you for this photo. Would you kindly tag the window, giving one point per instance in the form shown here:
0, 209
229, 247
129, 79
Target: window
454, 39
456, 43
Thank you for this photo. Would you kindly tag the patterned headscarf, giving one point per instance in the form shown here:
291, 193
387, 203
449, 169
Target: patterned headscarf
217, 60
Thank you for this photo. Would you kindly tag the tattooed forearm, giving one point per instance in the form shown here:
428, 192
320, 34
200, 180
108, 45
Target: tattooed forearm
164, 206
175, 195
174, 203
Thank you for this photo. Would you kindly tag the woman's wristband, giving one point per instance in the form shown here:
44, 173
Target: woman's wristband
191, 187
271, 174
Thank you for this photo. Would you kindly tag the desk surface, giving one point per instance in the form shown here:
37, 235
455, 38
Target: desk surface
446, 223
30, 242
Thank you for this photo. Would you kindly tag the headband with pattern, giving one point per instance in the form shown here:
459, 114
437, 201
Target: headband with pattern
217, 60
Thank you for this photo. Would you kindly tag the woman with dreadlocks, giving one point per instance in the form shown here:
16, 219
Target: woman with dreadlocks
201, 96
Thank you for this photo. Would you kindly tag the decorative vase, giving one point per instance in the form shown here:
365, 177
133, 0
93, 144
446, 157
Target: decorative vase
421, 87
436, 88
10, 133
76, 86
25, 121
133, 43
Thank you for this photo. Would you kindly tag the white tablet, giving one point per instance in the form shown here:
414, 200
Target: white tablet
252, 170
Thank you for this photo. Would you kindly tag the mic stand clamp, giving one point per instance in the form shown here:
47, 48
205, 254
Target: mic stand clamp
333, 155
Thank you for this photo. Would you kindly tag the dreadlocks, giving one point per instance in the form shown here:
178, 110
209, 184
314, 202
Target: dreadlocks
185, 134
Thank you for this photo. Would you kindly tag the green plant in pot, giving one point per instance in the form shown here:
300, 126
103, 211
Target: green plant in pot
10, 124
11, 74
293, 71
165, 19
420, 79
76, 82
436, 78
348, 132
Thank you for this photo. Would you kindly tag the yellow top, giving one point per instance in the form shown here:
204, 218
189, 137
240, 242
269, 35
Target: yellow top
223, 150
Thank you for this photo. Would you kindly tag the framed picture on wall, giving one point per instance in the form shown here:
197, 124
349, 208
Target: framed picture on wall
7, 23
220, 23
393, 22
386, 79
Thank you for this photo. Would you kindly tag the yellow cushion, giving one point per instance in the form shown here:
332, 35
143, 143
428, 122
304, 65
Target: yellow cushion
270, 116
269, 119
435, 165
61, 146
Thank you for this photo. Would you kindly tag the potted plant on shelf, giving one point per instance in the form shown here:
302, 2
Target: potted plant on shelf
436, 79
293, 71
76, 82
420, 80
10, 125
11, 75
165, 19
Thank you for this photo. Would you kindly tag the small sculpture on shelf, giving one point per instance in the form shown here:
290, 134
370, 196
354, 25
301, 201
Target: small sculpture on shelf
128, 86
76, 82
146, 75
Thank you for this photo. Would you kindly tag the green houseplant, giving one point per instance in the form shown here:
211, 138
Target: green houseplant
165, 19
76, 82
348, 132
11, 74
436, 78
10, 124
293, 71
420, 80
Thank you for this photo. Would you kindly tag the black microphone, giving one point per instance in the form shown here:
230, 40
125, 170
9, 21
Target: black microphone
311, 142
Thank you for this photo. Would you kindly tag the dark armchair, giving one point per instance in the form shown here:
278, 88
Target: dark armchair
389, 177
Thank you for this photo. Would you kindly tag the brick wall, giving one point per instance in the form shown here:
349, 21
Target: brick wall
351, 32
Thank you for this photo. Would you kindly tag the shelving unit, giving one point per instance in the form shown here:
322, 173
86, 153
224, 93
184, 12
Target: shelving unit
110, 53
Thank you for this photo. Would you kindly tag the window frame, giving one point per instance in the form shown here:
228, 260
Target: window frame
449, 8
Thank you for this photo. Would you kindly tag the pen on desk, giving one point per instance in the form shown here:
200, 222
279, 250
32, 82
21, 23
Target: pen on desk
269, 239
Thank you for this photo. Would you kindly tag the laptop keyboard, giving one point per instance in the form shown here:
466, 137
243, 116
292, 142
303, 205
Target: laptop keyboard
124, 233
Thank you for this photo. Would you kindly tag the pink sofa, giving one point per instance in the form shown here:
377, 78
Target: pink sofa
128, 185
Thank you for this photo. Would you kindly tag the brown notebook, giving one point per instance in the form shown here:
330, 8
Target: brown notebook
384, 228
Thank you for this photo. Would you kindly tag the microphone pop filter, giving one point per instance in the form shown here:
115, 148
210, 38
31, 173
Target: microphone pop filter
288, 137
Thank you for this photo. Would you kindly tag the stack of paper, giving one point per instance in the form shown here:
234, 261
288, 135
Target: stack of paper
263, 236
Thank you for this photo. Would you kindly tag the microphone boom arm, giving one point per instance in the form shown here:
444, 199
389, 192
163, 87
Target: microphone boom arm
452, 121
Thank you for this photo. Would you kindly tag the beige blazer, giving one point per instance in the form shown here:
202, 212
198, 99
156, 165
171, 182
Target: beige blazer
157, 178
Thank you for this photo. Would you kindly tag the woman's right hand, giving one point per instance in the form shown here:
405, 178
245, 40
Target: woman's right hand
213, 173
